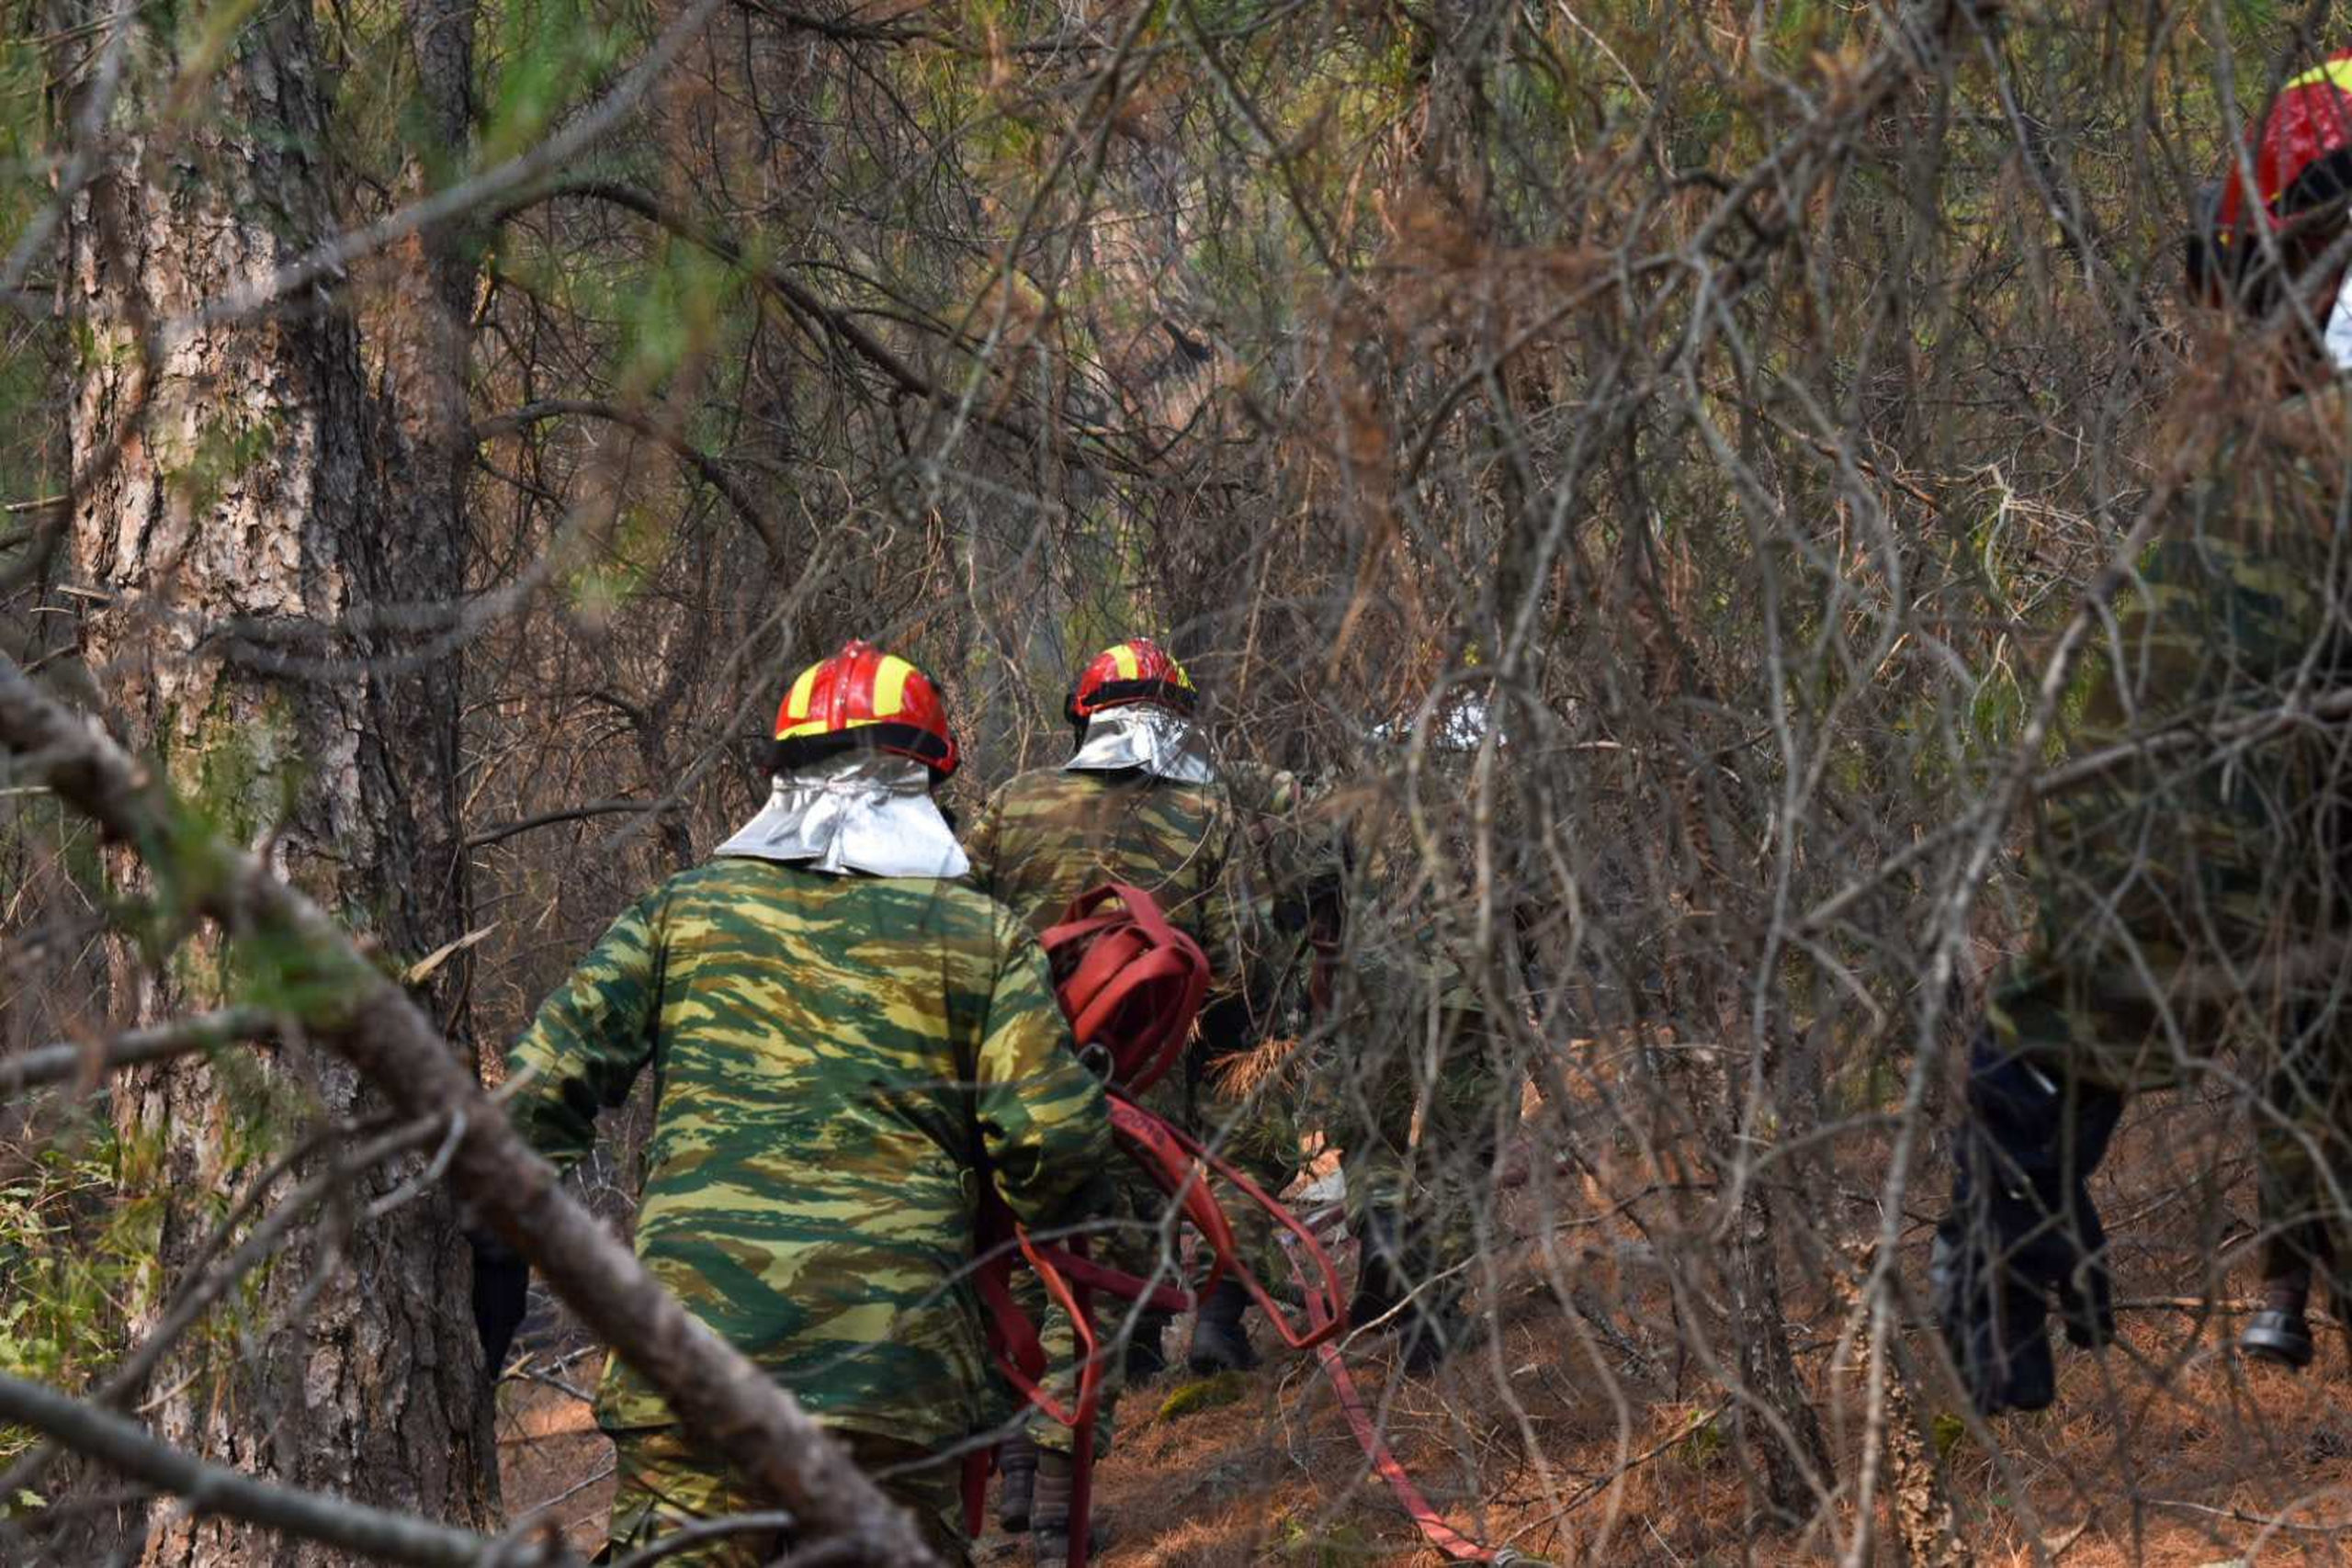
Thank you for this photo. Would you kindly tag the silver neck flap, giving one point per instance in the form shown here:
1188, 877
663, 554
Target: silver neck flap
1141, 735
867, 812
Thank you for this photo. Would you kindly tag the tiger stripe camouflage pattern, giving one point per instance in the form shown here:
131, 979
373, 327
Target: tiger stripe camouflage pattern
834, 1059
1048, 835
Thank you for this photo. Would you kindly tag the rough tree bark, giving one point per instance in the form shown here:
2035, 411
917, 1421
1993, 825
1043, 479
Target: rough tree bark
418, 345
247, 529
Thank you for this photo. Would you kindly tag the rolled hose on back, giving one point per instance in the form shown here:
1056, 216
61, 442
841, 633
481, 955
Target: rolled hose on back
1130, 983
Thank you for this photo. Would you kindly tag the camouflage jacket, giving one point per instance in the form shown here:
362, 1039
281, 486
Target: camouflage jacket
835, 1061
2192, 852
1048, 835
1291, 861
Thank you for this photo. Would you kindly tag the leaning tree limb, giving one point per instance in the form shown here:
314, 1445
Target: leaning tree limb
720, 1398
378, 1533
70, 1059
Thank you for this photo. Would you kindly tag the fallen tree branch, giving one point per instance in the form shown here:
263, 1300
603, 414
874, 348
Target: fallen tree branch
720, 1398
68, 1059
209, 1489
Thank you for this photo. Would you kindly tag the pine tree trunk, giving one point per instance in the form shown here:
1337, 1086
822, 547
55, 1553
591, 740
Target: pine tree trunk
417, 348
1767, 1371
245, 527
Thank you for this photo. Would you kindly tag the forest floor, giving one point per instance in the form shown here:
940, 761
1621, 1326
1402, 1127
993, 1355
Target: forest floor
2166, 1452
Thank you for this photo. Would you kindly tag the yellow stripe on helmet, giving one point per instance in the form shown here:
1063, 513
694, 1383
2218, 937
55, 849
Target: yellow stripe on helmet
1123, 657
818, 727
796, 702
891, 685
2337, 73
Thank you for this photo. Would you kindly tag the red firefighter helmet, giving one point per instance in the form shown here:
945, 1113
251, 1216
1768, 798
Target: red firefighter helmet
862, 698
2300, 155
1136, 671
1129, 980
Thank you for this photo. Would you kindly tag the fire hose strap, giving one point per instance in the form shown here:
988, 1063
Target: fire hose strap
1119, 1283
1181, 1167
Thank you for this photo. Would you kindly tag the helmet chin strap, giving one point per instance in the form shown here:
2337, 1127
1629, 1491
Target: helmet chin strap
2335, 341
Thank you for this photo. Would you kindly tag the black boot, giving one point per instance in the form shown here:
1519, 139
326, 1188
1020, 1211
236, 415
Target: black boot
1220, 1342
1016, 1463
2281, 1332
1379, 1287
1049, 1514
1432, 1335
1145, 1359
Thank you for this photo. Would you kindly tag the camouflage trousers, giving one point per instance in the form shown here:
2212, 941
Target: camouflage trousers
2302, 1139
2191, 920
1261, 1138
1420, 1163
666, 1484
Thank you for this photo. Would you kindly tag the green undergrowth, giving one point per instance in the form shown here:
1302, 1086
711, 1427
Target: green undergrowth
1324, 1546
71, 1249
1203, 1393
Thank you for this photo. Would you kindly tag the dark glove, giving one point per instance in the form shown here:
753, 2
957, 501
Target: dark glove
2022, 1230
501, 1293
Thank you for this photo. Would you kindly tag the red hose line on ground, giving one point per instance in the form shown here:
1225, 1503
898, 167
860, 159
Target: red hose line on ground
1184, 1167
1126, 975
1434, 1529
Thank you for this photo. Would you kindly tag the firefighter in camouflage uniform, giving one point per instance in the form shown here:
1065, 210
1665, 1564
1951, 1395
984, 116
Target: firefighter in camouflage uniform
2190, 866
1288, 877
1417, 1117
1421, 1109
847, 1041
1139, 801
